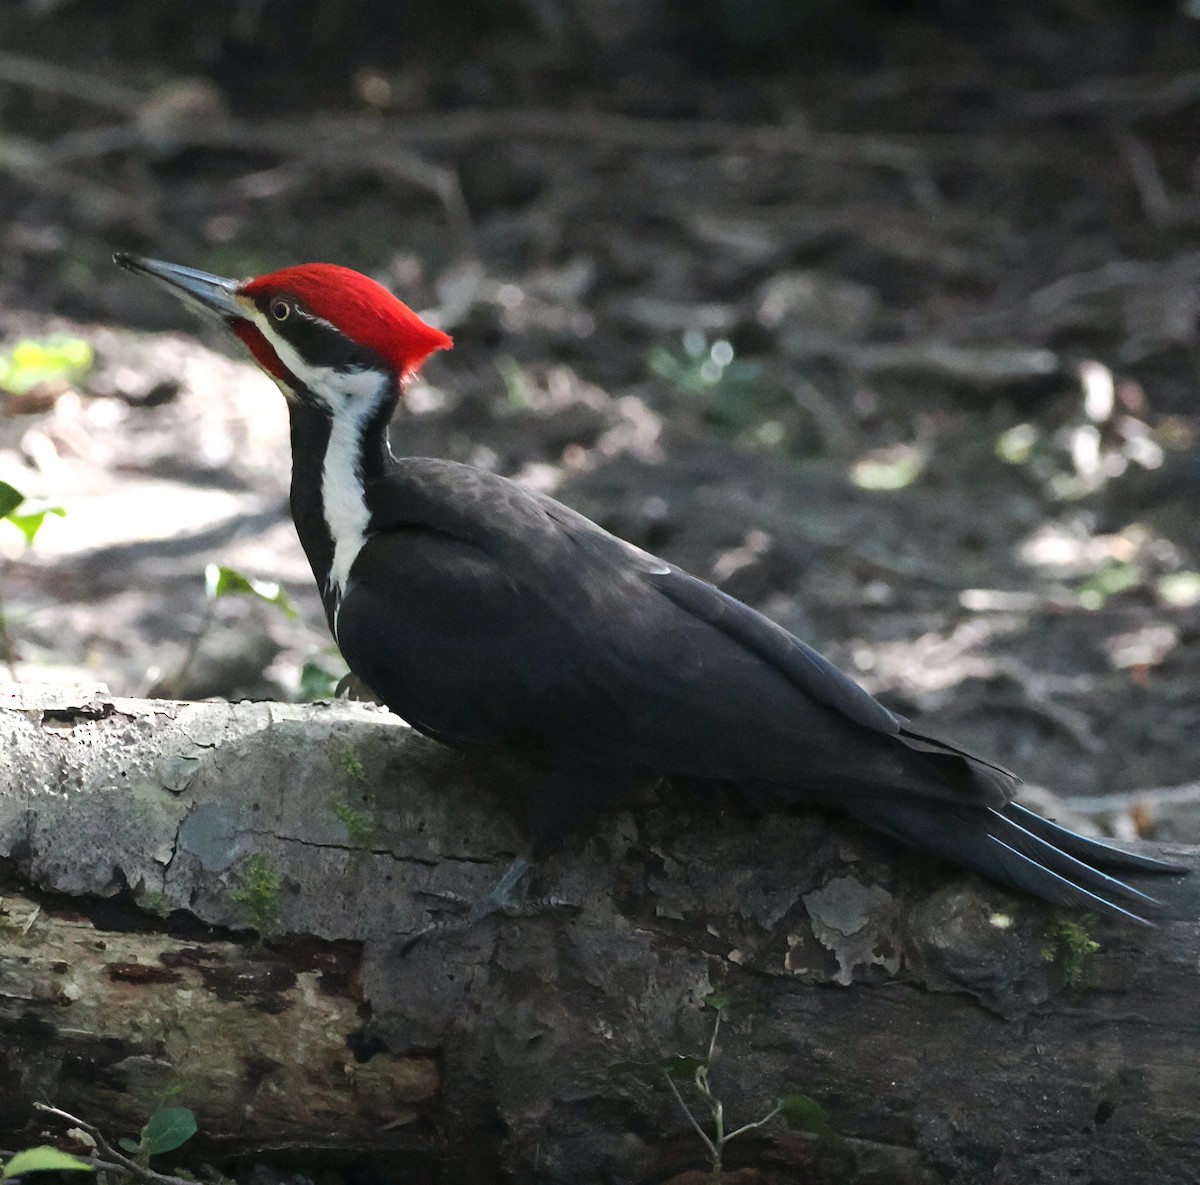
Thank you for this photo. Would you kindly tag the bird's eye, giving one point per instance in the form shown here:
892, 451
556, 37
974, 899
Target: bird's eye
280, 310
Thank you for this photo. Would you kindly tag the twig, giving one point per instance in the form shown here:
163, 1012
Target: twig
121, 1162
1147, 179
712, 1148
90, 143
712, 1041
343, 145
1003, 600
875, 561
987, 368
905, 156
67, 83
749, 1127
532, 123
372, 140
100, 205
604, 127
1104, 804
1044, 308
1110, 277
715, 1144
1037, 698
1137, 96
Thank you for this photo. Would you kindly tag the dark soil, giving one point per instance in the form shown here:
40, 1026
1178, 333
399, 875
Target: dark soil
898, 344
895, 339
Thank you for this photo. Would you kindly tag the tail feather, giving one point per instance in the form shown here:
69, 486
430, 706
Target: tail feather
1015, 847
1045, 857
1095, 851
1026, 873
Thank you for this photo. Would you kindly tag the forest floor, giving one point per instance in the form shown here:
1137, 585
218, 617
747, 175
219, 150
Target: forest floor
905, 356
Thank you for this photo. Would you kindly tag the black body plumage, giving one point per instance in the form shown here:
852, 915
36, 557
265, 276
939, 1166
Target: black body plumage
492, 617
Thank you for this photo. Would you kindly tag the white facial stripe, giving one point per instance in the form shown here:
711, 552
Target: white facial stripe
334, 388
315, 319
351, 398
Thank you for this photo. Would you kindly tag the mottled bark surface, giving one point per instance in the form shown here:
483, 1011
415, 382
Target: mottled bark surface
144, 841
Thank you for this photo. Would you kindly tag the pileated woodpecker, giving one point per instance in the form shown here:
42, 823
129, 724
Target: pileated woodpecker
490, 616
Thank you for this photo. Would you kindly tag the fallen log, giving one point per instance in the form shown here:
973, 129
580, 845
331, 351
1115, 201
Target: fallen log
212, 899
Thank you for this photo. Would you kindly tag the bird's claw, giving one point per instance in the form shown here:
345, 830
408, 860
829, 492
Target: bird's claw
492, 905
447, 897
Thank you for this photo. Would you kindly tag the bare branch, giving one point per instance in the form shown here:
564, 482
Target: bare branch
712, 1148
66, 83
119, 1161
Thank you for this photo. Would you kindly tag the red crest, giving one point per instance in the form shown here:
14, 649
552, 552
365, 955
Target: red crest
358, 306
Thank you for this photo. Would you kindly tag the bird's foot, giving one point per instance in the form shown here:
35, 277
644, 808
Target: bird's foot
498, 902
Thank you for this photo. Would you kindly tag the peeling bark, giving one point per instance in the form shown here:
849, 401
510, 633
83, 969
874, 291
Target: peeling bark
143, 841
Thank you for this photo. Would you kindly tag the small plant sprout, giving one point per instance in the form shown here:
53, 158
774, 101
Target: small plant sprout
125, 1161
167, 1129
796, 1110
316, 682
220, 581
29, 523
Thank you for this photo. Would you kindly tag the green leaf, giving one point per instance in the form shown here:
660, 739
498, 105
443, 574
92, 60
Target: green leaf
519, 387
316, 683
1016, 444
167, 1129
805, 1114
10, 499
37, 1160
678, 1066
889, 468
726, 1007
1181, 590
220, 581
30, 524
1108, 580
30, 363
129, 1145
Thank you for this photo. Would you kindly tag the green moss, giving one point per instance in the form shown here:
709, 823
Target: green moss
256, 893
155, 903
361, 821
361, 826
352, 765
1068, 943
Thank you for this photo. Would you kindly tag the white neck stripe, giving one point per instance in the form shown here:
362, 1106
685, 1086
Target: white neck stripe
350, 399
342, 500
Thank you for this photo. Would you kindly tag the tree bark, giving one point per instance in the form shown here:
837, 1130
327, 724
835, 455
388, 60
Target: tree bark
948, 1028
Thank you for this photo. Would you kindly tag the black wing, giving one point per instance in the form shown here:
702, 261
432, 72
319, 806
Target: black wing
485, 614
514, 620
